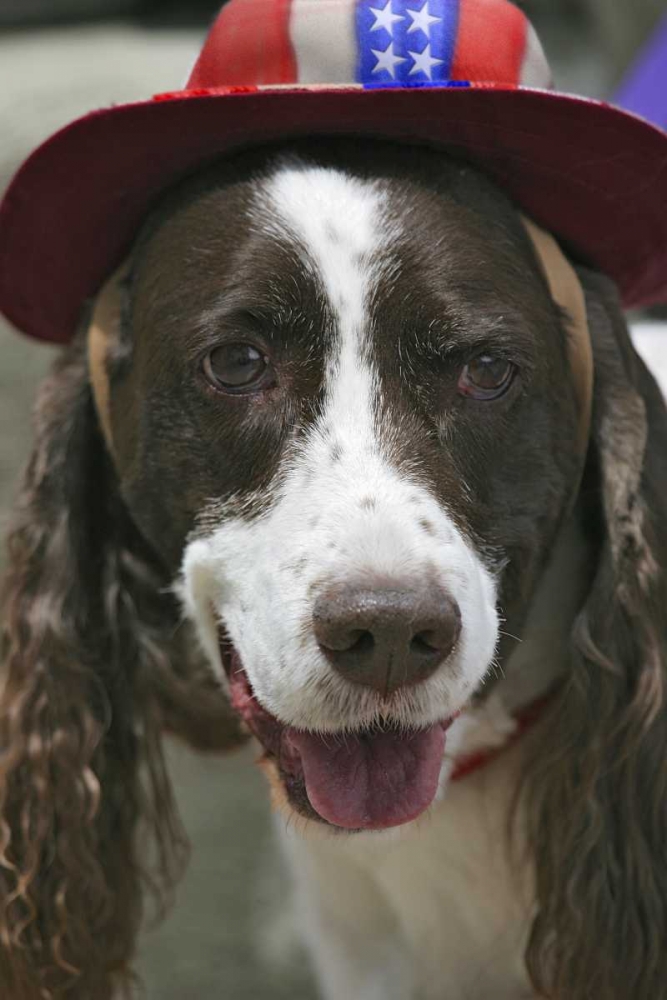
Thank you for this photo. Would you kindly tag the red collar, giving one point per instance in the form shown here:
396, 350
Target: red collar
525, 719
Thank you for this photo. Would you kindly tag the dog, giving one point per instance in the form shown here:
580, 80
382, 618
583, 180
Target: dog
350, 457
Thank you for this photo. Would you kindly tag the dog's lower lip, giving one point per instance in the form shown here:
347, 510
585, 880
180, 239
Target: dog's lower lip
370, 779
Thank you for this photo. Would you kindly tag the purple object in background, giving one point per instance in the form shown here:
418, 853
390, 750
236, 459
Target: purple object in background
644, 90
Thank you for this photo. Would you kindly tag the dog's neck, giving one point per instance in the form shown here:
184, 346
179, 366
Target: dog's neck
541, 657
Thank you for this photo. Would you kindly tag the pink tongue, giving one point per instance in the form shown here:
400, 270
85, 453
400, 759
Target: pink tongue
369, 782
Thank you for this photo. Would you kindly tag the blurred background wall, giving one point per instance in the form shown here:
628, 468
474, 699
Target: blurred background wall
58, 59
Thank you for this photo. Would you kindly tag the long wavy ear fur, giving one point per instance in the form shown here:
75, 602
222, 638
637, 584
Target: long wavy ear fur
597, 798
91, 673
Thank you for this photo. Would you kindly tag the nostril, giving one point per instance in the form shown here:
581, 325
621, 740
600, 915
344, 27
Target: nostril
364, 644
344, 640
425, 642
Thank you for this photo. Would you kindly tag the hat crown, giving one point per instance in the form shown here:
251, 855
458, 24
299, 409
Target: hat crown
370, 43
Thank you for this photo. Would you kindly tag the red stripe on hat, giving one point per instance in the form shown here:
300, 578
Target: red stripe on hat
248, 45
491, 42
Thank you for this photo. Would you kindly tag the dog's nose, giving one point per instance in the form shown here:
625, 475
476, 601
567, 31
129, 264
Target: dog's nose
386, 639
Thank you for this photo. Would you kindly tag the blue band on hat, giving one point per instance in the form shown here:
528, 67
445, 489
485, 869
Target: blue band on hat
419, 85
406, 42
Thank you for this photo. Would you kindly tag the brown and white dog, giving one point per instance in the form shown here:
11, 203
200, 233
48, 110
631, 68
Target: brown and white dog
325, 448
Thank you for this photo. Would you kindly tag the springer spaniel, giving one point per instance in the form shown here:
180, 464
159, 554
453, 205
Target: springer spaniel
351, 446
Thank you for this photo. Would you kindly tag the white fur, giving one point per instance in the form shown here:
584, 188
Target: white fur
261, 578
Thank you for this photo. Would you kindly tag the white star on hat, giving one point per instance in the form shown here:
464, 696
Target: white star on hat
384, 17
421, 19
387, 60
424, 62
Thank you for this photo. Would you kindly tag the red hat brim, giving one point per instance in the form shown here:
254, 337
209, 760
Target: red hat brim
593, 175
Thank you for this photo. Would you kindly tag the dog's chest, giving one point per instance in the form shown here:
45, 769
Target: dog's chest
432, 913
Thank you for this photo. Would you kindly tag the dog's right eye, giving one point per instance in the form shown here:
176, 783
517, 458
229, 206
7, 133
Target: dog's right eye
237, 368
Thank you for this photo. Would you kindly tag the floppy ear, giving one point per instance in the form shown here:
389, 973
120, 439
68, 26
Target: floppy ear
598, 797
92, 673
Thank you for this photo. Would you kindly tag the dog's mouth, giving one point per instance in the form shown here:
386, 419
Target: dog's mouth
371, 779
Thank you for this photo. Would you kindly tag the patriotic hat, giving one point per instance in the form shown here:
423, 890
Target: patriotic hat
466, 76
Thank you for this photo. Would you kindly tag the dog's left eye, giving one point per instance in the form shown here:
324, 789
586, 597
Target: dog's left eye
486, 377
237, 367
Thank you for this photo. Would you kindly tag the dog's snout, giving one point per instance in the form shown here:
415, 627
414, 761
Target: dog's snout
386, 639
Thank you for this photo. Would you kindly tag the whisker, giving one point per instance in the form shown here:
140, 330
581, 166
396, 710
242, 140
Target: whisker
510, 634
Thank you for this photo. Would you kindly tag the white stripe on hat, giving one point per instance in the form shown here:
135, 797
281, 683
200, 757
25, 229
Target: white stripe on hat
333, 20
535, 71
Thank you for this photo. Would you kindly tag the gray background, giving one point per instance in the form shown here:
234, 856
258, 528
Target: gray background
233, 895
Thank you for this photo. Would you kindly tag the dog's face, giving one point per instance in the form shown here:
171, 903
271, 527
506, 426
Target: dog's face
342, 411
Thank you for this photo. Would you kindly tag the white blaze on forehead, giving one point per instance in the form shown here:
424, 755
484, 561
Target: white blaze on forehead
339, 221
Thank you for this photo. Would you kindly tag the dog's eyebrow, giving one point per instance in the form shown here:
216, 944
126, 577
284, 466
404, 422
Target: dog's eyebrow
278, 321
456, 336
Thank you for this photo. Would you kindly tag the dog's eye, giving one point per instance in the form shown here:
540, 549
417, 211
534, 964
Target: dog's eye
237, 367
486, 377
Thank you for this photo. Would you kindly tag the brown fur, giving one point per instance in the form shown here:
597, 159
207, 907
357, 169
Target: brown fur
597, 783
93, 675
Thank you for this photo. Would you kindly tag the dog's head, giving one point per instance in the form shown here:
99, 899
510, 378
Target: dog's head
338, 416
343, 408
